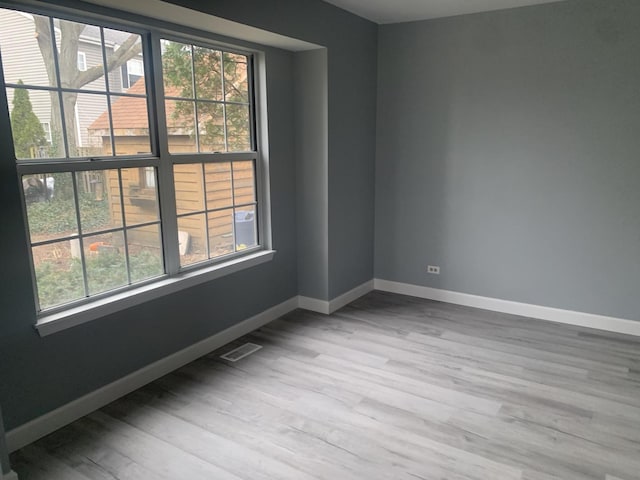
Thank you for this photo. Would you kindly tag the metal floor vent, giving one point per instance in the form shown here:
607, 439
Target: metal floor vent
241, 352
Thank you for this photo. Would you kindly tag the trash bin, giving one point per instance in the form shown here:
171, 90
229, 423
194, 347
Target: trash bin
245, 228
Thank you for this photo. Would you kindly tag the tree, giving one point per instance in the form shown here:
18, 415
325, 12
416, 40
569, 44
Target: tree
210, 67
70, 75
27, 130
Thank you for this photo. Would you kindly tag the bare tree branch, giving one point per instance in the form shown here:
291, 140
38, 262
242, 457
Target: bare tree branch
126, 52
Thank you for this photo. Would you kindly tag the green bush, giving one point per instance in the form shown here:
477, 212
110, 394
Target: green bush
59, 215
105, 271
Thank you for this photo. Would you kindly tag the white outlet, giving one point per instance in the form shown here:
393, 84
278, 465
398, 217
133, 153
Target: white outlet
434, 269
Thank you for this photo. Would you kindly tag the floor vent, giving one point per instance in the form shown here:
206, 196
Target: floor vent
241, 352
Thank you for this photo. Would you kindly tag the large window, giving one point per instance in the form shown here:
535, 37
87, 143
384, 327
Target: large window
127, 180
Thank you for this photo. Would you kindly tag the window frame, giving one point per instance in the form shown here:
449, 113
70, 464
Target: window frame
175, 277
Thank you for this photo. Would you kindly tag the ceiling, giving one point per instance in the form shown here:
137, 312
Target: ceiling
386, 11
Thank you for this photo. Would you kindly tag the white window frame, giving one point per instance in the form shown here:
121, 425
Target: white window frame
82, 61
46, 126
175, 278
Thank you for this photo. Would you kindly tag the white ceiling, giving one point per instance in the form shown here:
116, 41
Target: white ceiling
394, 11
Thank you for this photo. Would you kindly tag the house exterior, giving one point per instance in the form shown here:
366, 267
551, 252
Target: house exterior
18, 40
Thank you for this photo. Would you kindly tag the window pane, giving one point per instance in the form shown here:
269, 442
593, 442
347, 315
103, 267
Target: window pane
189, 186
245, 220
177, 69
238, 129
236, 86
130, 125
105, 259
87, 121
145, 252
51, 209
181, 126
218, 178
221, 232
243, 182
27, 49
99, 198
58, 271
70, 38
140, 198
211, 127
29, 110
193, 239
124, 47
207, 70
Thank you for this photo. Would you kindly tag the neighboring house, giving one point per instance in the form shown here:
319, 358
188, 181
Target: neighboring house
18, 41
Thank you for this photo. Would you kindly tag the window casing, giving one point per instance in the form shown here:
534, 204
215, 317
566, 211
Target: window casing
137, 177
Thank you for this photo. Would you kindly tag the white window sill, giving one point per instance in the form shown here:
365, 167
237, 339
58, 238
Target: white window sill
56, 322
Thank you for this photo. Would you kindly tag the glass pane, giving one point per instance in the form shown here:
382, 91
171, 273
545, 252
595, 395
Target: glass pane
30, 109
177, 69
238, 129
236, 86
218, 178
80, 55
58, 269
124, 61
245, 219
181, 126
193, 239
140, 196
243, 182
189, 186
208, 78
130, 125
221, 232
145, 252
27, 49
87, 121
106, 266
211, 127
99, 198
51, 209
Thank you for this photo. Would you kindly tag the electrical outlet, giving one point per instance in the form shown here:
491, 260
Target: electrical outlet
434, 269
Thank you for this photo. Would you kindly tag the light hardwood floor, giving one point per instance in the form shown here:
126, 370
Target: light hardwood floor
390, 387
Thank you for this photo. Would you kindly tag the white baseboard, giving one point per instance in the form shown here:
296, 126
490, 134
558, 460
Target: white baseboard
353, 294
51, 421
313, 304
600, 322
327, 307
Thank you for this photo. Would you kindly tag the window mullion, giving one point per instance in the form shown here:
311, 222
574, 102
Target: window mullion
166, 192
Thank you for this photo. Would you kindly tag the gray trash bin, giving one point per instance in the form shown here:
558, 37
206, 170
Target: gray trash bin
245, 228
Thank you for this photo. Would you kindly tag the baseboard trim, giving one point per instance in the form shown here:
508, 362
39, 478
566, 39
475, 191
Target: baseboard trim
313, 304
570, 317
327, 307
58, 418
348, 297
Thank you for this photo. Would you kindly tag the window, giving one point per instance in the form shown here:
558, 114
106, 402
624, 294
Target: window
82, 61
96, 171
132, 71
46, 126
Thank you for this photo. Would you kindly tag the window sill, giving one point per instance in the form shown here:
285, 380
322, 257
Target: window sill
57, 322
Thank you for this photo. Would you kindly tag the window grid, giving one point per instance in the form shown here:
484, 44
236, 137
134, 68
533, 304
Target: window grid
75, 165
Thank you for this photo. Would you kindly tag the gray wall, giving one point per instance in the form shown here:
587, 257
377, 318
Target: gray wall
312, 172
40, 374
508, 154
351, 44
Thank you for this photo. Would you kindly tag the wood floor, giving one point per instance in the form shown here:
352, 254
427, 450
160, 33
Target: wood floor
390, 387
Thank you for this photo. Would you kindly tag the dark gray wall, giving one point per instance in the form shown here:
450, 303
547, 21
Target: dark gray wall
40, 374
508, 154
351, 44
312, 172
